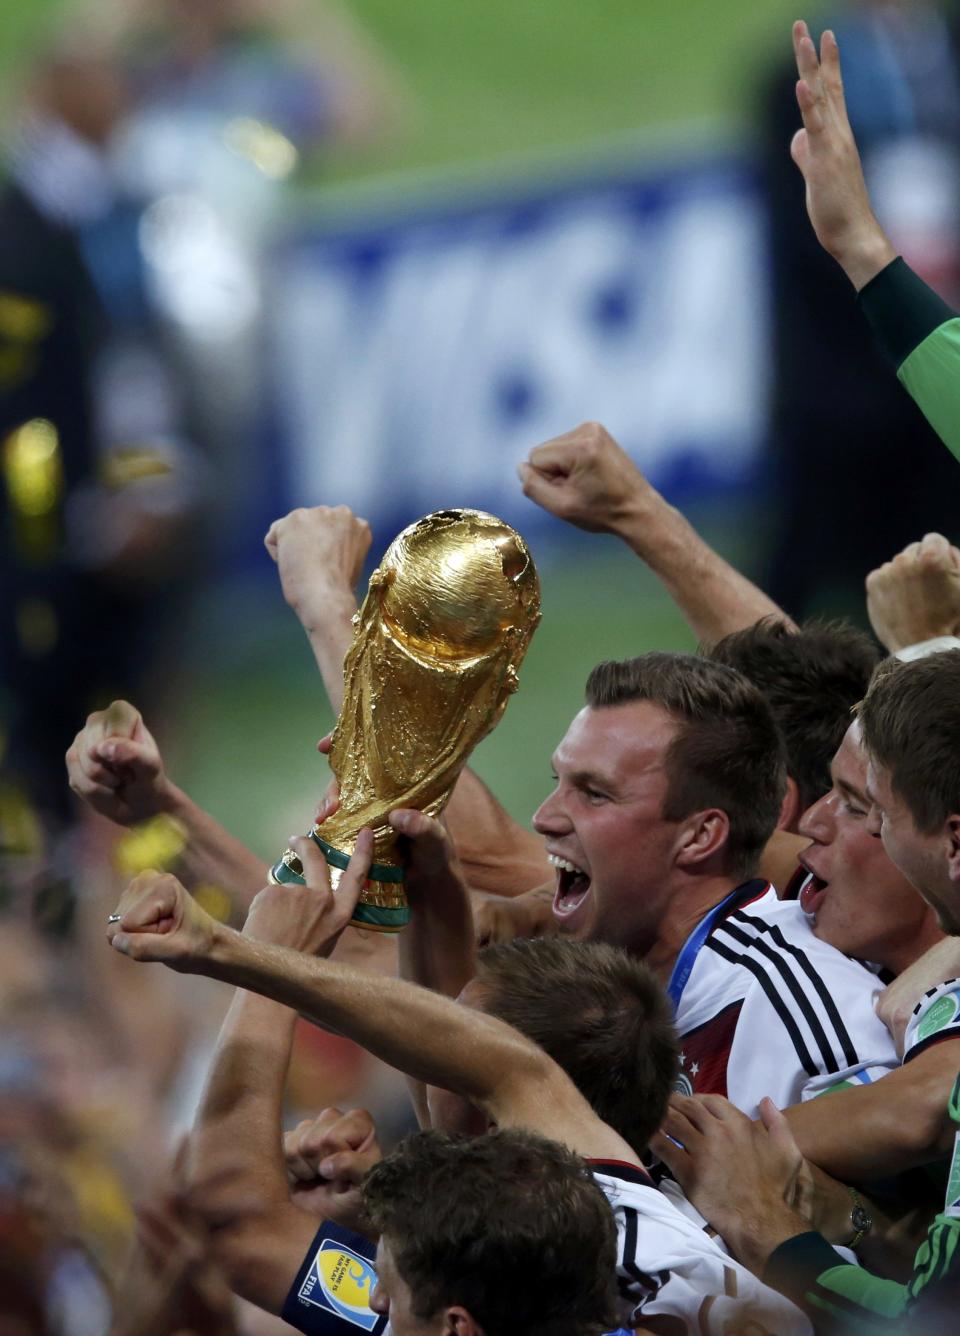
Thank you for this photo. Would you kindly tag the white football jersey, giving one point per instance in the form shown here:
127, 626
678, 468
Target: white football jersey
668, 1267
770, 1009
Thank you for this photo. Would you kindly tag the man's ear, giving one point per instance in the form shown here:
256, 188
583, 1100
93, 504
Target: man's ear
701, 836
791, 809
458, 1322
953, 847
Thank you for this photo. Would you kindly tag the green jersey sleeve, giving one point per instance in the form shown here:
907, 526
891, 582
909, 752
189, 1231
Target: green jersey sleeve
841, 1299
920, 334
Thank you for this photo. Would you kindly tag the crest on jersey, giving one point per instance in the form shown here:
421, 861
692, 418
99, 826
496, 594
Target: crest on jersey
683, 1085
341, 1281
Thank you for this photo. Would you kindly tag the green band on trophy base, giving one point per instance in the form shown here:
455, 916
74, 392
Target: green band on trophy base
282, 874
380, 919
336, 858
374, 917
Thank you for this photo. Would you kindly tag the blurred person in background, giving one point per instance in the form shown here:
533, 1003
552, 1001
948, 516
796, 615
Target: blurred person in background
234, 103
94, 1235
838, 417
100, 481
304, 69
71, 1090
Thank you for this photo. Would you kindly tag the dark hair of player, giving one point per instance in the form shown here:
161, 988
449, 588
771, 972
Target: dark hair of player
509, 1226
600, 1014
727, 751
910, 719
812, 679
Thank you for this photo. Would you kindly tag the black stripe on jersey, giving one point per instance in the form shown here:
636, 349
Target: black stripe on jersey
829, 1005
774, 998
941, 1245
784, 968
938, 1258
822, 1296
629, 1259
945, 1036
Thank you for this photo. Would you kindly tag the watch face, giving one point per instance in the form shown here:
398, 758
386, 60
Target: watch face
861, 1219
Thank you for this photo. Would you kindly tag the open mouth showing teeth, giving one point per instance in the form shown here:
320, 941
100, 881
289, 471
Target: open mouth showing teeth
572, 884
812, 893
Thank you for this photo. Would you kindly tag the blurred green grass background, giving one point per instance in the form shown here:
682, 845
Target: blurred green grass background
513, 75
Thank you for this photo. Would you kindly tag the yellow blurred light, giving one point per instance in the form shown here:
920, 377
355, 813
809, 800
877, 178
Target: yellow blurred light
129, 464
271, 152
156, 843
215, 900
23, 319
37, 626
33, 469
21, 832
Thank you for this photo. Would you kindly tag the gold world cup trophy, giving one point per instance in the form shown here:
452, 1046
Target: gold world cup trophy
447, 619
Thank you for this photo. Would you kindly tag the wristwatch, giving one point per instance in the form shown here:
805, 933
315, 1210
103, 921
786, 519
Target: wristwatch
861, 1221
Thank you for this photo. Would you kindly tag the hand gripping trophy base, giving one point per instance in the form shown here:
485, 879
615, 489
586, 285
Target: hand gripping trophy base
383, 907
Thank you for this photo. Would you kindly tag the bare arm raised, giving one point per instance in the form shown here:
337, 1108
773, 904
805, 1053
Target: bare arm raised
171, 1281
114, 765
320, 554
915, 597
587, 479
427, 1036
238, 1181
437, 948
826, 153
327, 1159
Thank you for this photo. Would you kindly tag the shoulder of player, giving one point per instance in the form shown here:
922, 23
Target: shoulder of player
782, 926
666, 1259
823, 999
632, 1191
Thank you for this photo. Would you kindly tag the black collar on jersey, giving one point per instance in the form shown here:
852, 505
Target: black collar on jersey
631, 1173
680, 975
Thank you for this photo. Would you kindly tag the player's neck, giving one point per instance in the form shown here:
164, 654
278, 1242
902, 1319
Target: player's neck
688, 905
901, 953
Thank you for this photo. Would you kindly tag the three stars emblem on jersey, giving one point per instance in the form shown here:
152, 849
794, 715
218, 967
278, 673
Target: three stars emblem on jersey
683, 1085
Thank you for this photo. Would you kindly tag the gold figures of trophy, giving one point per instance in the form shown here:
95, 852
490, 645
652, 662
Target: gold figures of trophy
436, 647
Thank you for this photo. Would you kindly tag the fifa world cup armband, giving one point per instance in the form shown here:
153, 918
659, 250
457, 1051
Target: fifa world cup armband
935, 1017
331, 1294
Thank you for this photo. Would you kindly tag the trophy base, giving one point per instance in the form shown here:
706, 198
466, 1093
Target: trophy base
382, 906
374, 918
